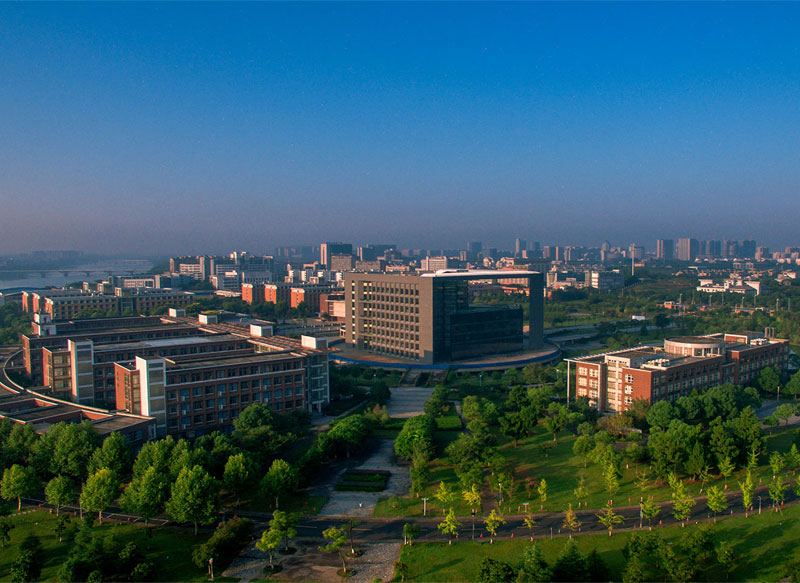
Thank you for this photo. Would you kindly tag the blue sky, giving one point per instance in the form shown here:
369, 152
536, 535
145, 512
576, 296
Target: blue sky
205, 127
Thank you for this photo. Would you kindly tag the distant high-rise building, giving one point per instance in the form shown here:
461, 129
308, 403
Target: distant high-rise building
635, 251
747, 249
328, 249
687, 249
474, 247
665, 249
520, 245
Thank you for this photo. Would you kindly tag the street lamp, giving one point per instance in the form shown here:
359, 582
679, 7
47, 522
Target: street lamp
480, 379
759, 504
211, 567
500, 484
424, 506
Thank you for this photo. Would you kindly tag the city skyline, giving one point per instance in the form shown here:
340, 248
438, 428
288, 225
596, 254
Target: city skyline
154, 129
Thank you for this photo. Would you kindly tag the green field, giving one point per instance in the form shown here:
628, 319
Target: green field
761, 546
561, 468
170, 549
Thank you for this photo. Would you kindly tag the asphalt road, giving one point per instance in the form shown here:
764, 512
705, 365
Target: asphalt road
375, 530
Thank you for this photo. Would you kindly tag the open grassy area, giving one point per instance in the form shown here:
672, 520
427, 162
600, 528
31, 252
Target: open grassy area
170, 549
533, 458
412, 506
562, 469
761, 544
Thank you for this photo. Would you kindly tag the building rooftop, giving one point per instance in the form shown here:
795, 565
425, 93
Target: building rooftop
166, 342
480, 273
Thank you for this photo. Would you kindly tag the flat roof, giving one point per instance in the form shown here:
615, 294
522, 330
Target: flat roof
232, 360
166, 342
480, 273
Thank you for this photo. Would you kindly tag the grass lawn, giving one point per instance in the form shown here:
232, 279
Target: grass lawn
562, 469
170, 549
412, 506
761, 545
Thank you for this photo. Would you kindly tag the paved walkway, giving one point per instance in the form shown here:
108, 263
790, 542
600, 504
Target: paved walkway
408, 401
361, 504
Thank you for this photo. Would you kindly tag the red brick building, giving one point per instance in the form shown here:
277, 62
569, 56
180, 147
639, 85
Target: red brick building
613, 380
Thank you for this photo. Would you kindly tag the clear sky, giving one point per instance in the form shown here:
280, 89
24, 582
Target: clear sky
166, 128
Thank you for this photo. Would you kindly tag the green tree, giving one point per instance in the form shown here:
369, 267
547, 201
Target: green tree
534, 568
611, 478
449, 526
147, 494
270, 539
530, 522
236, 475
784, 411
777, 492
445, 496
194, 497
5, 537
410, 532
18, 482
99, 491
649, 510
473, 499
571, 565
769, 379
114, 454
337, 539
793, 458
492, 522
776, 463
61, 526
493, 571
285, 524
571, 522
696, 460
583, 445
717, 501
793, 386
542, 490
726, 467
281, 478
59, 491
682, 506
580, 493
609, 518
748, 487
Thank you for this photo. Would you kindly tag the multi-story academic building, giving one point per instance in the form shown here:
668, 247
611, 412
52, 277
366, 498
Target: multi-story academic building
100, 362
613, 380
429, 318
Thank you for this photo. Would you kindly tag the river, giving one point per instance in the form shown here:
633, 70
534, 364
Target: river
98, 270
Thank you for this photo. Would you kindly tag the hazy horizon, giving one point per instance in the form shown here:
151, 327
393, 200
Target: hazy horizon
155, 129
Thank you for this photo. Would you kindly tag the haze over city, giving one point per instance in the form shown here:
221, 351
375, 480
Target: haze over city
162, 128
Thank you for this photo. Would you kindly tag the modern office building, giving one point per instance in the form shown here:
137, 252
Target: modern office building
429, 317
613, 380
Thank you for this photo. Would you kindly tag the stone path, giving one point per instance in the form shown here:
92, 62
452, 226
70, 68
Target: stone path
408, 401
363, 503
377, 562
